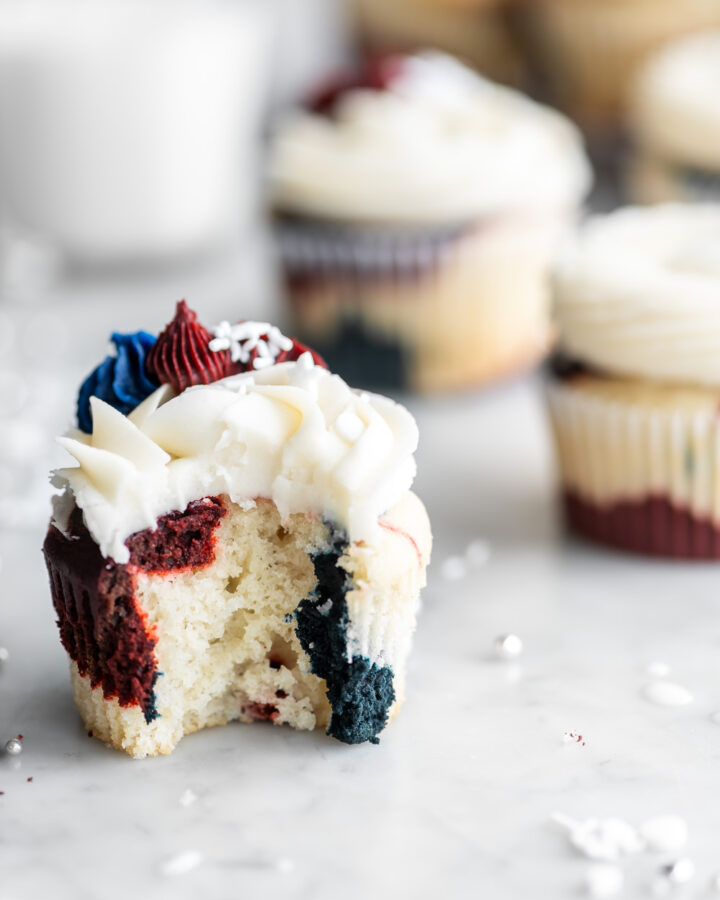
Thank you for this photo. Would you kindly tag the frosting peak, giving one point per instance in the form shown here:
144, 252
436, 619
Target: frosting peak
291, 432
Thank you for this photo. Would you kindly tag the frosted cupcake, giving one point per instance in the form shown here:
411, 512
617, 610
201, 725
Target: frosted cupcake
417, 210
588, 50
634, 397
476, 31
675, 123
238, 541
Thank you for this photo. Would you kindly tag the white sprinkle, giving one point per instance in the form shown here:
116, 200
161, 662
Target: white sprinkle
454, 568
182, 863
349, 426
667, 834
667, 693
285, 865
508, 646
477, 553
188, 797
4, 654
242, 338
604, 880
658, 670
681, 871
14, 747
604, 839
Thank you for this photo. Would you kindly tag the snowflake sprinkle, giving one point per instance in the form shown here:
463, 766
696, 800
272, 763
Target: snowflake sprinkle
245, 339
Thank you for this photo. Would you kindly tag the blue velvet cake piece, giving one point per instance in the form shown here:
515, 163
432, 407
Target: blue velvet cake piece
359, 691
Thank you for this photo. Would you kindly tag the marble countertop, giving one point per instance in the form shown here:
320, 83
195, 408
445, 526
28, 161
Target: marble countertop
457, 799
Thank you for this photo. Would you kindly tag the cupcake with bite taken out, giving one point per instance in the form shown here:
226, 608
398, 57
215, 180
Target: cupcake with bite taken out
237, 541
417, 207
635, 394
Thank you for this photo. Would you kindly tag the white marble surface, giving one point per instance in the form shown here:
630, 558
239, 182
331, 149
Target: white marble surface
457, 798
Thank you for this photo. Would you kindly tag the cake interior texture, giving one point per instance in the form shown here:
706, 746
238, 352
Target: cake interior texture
228, 612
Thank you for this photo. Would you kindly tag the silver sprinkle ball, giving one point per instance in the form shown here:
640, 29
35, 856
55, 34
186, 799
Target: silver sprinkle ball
508, 646
681, 871
13, 747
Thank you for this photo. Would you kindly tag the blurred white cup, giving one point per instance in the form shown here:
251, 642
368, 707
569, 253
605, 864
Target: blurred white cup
129, 128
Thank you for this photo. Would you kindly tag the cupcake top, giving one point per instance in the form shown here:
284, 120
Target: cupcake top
422, 139
247, 413
676, 101
637, 293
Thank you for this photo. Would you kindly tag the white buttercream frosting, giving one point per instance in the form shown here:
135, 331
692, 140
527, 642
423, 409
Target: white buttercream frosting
440, 144
638, 293
676, 101
292, 432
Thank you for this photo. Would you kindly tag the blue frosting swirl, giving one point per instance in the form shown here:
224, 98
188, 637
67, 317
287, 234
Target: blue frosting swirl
119, 380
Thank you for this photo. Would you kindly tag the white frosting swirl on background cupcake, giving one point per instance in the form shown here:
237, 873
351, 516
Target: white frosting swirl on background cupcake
293, 433
440, 144
637, 293
676, 101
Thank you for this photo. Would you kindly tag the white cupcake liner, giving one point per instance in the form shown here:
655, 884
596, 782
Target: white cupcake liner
614, 455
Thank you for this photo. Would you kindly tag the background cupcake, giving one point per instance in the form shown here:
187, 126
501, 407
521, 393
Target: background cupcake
634, 399
588, 50
675, 122
417, 208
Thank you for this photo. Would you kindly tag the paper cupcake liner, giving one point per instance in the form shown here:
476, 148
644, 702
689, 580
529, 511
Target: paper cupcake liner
638, 475
589, 49
652, 180
426, 309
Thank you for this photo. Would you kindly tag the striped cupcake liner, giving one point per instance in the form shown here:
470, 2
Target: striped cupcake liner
638, 476
429, 309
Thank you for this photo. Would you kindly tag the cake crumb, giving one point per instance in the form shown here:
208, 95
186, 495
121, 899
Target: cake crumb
572, 737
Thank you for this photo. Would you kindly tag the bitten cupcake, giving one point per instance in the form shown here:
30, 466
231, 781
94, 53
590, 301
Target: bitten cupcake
675, 123
237, 541
634, 396
417, 207
588, 50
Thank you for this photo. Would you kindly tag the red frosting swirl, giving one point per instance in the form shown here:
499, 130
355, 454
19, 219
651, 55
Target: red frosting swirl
376, 74
181, 356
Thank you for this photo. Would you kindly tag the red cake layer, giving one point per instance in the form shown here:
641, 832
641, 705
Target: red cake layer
102, 627
652, 526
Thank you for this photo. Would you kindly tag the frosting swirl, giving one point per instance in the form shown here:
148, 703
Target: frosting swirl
438, 144
637, 293
292, 432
